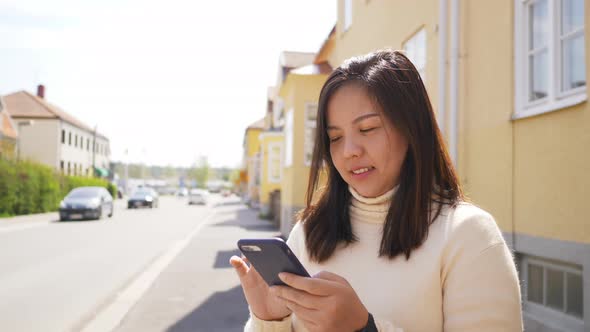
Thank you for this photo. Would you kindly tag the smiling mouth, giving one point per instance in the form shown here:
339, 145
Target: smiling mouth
362, 170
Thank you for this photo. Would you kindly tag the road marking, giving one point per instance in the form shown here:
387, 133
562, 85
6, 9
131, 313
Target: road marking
110, 317
21, 227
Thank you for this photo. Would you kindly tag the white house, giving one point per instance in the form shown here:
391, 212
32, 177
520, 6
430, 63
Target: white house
53, 137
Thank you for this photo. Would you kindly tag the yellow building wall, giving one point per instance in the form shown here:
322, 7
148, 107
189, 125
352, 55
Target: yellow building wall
267, 187
531, 174
252, 148
552, 179
486, 102
252, 142
388, 24
296, 92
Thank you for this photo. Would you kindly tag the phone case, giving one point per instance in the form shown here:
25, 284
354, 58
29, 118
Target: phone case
273, 258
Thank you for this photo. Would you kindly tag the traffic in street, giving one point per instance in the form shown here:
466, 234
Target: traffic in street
143, 269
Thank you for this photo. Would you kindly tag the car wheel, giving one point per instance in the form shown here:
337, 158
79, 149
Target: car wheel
112, 211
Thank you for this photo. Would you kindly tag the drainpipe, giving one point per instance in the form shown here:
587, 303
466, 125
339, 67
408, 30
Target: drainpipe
454, 80
442, 63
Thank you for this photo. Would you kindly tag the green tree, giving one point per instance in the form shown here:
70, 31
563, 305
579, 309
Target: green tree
200, 172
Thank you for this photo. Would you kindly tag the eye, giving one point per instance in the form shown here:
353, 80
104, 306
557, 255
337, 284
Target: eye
368, 130
334, 139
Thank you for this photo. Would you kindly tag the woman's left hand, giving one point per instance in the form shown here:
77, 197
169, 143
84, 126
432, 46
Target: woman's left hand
325, 302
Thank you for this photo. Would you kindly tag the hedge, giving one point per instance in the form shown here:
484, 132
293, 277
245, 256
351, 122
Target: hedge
27, 187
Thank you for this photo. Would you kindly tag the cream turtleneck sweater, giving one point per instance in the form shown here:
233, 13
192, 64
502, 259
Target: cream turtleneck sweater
462, 278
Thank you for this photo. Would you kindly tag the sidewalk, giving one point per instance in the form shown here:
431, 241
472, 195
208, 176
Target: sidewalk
199, 291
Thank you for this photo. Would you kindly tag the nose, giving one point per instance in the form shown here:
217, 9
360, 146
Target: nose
351, 148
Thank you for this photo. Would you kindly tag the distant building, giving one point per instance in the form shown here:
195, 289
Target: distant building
251, 161
8, 133
56, 138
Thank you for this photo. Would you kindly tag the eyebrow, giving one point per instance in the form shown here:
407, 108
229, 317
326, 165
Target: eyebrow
357, 120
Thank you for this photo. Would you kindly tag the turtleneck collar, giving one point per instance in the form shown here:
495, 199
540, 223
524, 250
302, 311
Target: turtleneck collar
370, 210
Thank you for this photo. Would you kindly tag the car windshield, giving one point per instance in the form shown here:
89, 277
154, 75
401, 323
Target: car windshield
84, 193
142, 192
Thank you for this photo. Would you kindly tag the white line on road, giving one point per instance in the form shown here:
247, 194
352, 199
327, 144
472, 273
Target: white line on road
21, 227
110, 318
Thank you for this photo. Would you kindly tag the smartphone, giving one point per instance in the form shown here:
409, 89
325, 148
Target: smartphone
271, 257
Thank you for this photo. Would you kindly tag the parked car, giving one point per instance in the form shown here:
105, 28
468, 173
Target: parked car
143, 197
182, 192
86, 203
197, 196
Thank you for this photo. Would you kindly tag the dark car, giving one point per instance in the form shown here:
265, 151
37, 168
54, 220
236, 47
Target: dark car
86, 203
143, 197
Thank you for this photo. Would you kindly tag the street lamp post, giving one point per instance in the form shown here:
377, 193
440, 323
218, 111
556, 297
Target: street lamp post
19, 125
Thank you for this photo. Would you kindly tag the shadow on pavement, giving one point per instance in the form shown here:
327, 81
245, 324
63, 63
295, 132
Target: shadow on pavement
222, 259
248, 220
221, 312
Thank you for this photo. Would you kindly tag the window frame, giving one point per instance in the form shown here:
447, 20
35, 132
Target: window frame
543, 312
555, 99
289, 137
412, 41
270, 178
347, 15
311, 125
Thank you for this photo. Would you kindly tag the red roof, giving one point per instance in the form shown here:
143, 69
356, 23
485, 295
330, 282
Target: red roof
23, 105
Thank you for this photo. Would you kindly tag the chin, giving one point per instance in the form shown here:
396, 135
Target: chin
367, 193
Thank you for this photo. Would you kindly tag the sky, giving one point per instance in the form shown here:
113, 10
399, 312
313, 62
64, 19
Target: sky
166, 81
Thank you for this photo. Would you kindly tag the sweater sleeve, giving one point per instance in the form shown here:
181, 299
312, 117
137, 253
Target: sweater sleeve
255, 324
479, 279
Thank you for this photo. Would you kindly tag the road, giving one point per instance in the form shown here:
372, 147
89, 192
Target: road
64, 276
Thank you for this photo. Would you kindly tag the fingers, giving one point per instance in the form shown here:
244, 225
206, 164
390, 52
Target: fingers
302, 298
305, 314
325, 275
315, 286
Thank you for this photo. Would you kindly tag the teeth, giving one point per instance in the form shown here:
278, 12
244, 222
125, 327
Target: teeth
362, 170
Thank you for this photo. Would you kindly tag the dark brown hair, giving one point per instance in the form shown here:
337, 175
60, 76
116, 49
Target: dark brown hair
427, 178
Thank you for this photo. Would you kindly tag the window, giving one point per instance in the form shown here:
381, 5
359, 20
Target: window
88, 144
68, 168
550, 55
289, 138
311, 113
70, 138
61, 163
347, 14
274, 162
553, 287
63, 137
415, 49
76, 141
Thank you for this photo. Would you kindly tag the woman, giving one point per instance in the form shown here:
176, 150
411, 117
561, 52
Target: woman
390, 241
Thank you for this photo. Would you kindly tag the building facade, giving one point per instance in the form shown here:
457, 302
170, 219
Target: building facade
55, 138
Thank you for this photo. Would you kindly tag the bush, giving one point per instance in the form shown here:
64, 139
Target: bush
27, 187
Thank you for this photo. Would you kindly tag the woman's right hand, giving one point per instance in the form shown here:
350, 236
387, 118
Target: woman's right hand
263, 304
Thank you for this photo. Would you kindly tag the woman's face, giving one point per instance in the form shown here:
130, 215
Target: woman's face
367, 150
